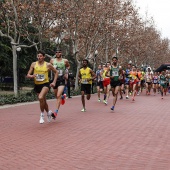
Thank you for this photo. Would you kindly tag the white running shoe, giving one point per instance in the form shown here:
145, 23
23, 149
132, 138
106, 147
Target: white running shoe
41, 119
83, 110
49, 115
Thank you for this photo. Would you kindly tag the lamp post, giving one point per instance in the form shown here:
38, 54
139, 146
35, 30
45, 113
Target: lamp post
95, 55
18, 49
58, 41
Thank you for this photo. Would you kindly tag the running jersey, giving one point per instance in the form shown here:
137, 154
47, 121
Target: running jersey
114, 71
133, 76
148, 77
60, 66
104, 74
98, 74
162, 79
127, 73
142, 75
85, 74
155, 79
41, 72
139, 75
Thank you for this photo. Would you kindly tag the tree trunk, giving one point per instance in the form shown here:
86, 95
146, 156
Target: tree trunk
77, 73
15, 76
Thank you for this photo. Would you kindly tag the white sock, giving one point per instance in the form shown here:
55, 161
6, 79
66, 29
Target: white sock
42, 114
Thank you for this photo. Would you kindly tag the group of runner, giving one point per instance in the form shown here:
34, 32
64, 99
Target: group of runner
130, 81
109, 77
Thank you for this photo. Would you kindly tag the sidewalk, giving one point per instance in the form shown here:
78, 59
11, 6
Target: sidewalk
133, 137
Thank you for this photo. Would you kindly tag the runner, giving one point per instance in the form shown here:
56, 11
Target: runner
127, 79
122, 82
40, 70
155, 82
133, 81
106, 83
163, 83
60, 64
113, 72
86, 75
148, 80
140, 76
99, 82
142, 80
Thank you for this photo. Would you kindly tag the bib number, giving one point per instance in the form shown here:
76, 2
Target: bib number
60, 72
84, 81
115, 73
40, 77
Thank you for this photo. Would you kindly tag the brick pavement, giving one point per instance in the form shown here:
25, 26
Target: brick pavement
133, 137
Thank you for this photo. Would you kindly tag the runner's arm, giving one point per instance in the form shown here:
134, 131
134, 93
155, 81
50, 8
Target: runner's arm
29, 74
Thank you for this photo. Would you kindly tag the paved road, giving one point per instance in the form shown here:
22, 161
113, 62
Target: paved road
136, 136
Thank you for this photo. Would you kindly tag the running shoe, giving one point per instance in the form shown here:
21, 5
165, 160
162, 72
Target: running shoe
112, 108
133, 99
63, 97
121, 98
49, 115
54, 115
127, 97
99, 100
41, 119
83, 110
105, 102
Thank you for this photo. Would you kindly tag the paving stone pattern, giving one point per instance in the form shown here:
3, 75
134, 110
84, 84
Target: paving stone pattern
136, 136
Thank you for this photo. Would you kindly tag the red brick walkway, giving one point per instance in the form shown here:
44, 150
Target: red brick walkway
136, 136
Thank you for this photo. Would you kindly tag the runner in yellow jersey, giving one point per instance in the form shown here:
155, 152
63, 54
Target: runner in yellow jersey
39, 71
86, 75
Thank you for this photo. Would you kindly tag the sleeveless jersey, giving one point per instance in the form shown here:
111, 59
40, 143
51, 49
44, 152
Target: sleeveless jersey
60, 66
41, 72
99, 77
133, 76
114, 71
155, 79
162, 79
85, 74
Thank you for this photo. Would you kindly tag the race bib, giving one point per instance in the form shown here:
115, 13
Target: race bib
115, 73
60, 72
84, 81
155, 81
162, 82
40, 77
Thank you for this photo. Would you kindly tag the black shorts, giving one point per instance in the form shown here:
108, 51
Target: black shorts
100, 84
60, 82
149, 83
86, 88
38, 87
114, 83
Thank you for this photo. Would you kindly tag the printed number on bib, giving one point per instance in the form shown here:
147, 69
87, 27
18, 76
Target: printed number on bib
115, 73
84, 81
40, 77
60, 72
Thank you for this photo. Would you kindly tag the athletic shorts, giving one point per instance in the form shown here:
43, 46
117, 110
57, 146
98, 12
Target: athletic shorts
60, 82
149, 83
86, 88
114, 83
127, 82
100, 84
38, 87
106, 82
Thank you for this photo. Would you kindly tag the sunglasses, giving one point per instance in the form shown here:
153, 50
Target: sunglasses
58, 51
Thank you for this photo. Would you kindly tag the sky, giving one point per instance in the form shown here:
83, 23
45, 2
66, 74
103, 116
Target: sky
160, 11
